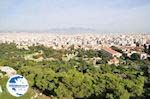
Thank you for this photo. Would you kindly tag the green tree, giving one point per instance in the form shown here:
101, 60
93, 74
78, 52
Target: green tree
135, 56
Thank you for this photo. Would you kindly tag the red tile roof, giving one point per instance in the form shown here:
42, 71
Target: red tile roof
113, 52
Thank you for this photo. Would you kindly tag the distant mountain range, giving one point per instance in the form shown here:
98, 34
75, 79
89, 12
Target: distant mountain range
72, 30
60, 30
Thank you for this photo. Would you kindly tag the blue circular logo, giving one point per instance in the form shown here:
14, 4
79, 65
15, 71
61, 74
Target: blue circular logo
17, 85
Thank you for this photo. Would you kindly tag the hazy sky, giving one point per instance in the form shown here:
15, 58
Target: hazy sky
103, 15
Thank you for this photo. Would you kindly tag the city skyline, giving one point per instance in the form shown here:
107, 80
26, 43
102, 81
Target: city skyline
84, 15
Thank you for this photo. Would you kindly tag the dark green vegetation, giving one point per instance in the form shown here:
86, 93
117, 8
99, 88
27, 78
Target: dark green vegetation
77, 77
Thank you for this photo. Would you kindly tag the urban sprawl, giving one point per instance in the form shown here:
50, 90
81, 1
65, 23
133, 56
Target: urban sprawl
129, 43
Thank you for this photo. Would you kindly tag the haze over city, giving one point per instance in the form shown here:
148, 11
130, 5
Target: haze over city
75, 15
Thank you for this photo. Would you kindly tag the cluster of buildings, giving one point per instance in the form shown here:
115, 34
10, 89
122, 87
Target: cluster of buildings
128, 43
86, 41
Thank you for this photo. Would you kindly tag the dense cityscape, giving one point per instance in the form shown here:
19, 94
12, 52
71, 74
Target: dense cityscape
129, 43
85, 41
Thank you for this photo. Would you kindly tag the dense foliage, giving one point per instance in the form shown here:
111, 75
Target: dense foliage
71, 73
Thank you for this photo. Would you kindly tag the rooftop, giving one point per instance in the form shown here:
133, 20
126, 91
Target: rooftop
110, 50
